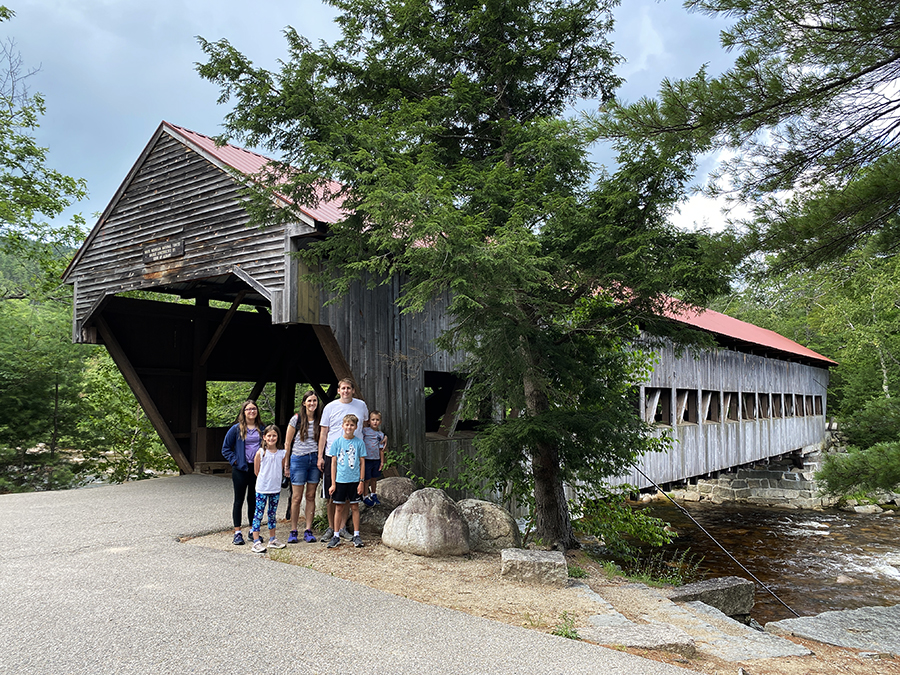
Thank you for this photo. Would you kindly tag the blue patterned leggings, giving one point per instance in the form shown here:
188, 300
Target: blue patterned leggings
260, 507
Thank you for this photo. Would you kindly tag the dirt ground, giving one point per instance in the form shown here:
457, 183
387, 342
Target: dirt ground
473, 584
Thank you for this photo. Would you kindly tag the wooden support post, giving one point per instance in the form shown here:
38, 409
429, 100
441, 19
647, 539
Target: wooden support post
333, 352
221, 327
451, 417
198, 384
143, 396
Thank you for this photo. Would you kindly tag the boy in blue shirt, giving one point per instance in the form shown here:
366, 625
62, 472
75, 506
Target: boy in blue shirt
348, 471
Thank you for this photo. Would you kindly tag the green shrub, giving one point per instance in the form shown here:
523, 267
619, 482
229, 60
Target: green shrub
878, 421
865, 470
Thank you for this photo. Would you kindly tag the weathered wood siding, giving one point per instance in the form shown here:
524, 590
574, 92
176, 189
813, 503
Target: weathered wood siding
175, 196
389, 353
760, 431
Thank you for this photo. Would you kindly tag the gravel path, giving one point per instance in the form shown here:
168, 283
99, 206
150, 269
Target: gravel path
106, 587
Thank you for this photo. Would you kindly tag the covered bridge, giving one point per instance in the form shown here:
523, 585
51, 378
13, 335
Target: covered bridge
239, 310
177, 226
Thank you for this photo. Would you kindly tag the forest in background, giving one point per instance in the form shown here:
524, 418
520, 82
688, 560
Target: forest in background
69, 418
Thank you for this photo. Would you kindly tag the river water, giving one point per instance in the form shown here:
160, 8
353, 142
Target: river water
815, 561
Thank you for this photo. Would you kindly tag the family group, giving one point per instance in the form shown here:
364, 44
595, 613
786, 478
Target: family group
342, 444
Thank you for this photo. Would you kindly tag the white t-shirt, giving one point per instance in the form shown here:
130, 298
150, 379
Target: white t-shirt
333, 418
268, 482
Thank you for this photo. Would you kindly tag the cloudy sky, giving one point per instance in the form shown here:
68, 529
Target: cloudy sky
112, 70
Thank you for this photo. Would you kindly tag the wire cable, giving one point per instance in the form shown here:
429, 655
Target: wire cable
713, 539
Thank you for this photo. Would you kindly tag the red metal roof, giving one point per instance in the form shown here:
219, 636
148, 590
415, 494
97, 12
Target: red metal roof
723, 324
250, 163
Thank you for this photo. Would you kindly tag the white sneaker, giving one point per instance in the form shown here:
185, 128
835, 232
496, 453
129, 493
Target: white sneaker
258, 546
274, 543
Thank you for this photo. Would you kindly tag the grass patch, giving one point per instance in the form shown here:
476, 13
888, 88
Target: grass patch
566, 627
656, 569
577, 572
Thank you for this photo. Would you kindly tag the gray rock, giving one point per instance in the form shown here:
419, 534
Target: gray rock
395, 491
535, 567
491, 527
666, 638
733, 596
373, 518
868, 628
429, 523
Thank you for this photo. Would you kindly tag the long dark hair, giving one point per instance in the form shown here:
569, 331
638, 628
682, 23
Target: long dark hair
242, 418
303, 418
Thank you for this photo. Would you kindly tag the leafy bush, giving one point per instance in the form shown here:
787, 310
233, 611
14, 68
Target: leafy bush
618, 525
878, 421
873, 468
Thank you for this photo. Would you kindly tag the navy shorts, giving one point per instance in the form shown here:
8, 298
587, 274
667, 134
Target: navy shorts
346, 492
372, 470
305, 469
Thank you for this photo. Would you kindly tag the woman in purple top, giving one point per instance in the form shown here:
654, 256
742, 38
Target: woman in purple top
240, 446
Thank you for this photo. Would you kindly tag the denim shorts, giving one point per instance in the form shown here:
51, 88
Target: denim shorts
305, 469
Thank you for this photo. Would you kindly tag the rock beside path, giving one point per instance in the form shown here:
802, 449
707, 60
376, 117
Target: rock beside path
429, 523
534, 567
875, 629
491, 527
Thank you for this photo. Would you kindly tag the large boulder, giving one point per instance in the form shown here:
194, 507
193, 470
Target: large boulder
373, 518
428, 524
395, 491
491, 527
733, 596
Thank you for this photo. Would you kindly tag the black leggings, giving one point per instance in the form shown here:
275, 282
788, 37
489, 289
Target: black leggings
244, 489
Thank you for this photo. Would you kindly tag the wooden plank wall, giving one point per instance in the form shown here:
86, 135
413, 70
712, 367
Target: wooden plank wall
389, 353
706, 447
176, 196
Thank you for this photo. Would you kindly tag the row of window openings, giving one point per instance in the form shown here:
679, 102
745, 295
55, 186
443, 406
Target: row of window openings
735, 406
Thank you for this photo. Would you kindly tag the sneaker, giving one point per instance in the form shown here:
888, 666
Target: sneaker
292, 537
238, 539
344, 534
357, 541
308, 536
258, 546
329, 533
375, 499
274, 543
368, 501
335, 541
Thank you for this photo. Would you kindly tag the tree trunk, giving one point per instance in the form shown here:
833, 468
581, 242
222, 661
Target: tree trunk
552, 524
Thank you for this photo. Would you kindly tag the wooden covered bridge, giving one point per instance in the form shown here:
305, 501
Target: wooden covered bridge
233, 306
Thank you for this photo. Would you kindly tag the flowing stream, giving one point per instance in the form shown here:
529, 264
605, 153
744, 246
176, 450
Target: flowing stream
815, 561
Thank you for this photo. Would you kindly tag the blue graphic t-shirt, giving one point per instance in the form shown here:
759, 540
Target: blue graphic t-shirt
347, 453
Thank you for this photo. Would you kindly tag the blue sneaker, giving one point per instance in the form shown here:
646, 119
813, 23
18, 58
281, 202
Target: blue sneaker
308, 536
375, 499
292, 537
238, 539
368, 501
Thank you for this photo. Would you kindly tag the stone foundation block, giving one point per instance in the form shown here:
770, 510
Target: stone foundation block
535, 567
733, 596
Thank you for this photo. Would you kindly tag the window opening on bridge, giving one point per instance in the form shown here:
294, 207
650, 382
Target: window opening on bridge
686, 406
776, 406
711, 406
658, 405
731, 406
762, 401
817, 402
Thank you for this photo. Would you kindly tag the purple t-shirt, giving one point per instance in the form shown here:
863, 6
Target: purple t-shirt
251, 445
